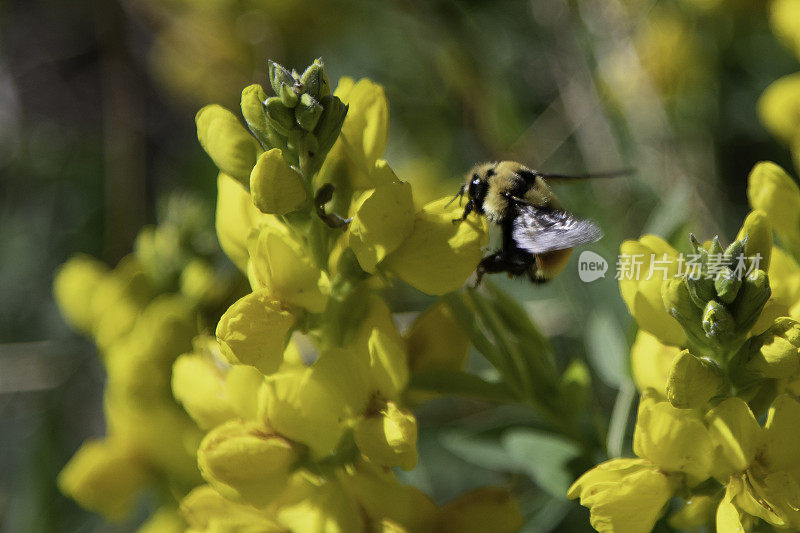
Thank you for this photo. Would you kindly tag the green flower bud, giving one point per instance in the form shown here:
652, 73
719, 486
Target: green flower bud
753, 294
679, 304
314, 80
701, 290
280, 117
734, 251
283, 83
692, 381
774, 353
716, 247
307, 112
727, 285
255, 116
717, 321
330, 123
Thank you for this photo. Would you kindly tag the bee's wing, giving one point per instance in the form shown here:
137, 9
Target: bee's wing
538, 230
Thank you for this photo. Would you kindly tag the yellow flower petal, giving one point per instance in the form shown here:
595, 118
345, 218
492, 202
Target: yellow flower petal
205, 510
254, 331
383, 218
222, 136
198, 384
366, 126
379, 493
242, 386
779, 106
758, 231
105, 477
73, 286
624, 495
651, 361
784, 16
388, 438
728, 516
675, 440
772, 191
692, 381
439, 256
235, 217
388, 364
275, 188
782, 434
642, 295
245, 463
305, 406
280, 263
735, 430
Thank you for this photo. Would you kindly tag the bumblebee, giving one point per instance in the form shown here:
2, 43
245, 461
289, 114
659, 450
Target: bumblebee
537, 233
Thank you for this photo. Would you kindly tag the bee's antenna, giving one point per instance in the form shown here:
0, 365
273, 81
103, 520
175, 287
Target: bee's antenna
459, 195
612, 174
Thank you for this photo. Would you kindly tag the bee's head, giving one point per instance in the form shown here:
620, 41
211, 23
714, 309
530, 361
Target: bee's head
477, 184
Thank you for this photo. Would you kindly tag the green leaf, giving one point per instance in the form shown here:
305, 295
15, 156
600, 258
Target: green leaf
607, 348
232, 149
544, 457
483, 451
467, 320
461, 384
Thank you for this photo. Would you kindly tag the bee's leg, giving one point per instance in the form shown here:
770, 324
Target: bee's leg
492, 264
467, 211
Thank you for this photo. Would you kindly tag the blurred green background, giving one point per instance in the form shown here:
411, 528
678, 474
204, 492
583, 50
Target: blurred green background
97, 100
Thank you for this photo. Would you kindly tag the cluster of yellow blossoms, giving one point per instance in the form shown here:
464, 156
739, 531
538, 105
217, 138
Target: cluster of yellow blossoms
298, 408
142, 314
302, 391
713, 355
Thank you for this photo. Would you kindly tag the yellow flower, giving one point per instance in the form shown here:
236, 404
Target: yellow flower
764, 463
438, 256
624, 495
643, 295
693, 381
366, 126
205, 510
280, 265
74, 283
275, 188
222, 136
117, 301
383, 218
784, 16
254, 331
388, 438
235, 217
779, 107
675, 440
104, 476
211, 391
651, 361
244, 461
772, 191
386, 500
